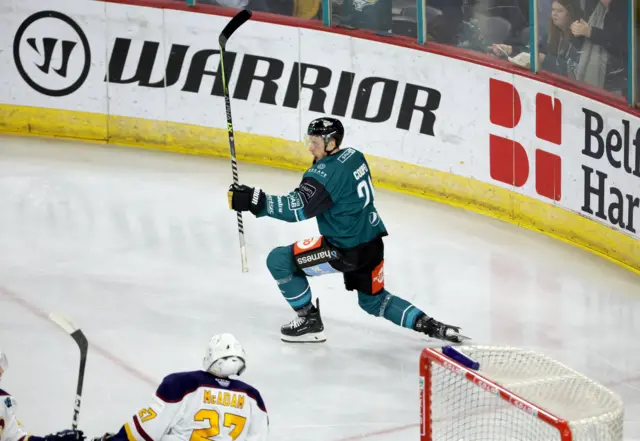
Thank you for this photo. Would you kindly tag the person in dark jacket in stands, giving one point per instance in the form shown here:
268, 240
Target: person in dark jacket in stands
561, 51
603, 61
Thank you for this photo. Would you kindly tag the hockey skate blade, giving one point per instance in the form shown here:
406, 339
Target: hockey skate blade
436, 342
463, 338
316, 337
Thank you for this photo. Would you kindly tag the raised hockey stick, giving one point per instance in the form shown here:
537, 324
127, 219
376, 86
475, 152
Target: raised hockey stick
226, 33
78, 336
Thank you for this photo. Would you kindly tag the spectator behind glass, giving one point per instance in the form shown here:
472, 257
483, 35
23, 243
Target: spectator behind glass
562, 48
603, 59
445, 28
562, 55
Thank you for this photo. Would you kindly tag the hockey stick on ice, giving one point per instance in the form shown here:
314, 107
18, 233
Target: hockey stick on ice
226, 33
78, 336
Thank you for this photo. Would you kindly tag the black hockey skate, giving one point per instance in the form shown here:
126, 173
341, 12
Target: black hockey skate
306, 328
433, 328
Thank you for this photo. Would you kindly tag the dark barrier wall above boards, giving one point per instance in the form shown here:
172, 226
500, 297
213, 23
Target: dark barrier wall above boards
464, 121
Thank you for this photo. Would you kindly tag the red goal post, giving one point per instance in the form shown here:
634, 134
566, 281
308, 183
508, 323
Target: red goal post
515, 395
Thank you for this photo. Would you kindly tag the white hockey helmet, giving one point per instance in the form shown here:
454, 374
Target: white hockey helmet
224, 356
4, 363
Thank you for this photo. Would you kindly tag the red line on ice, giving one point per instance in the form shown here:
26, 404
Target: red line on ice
92, 345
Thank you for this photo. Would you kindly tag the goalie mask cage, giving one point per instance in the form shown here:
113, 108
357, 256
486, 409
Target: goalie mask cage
515, 395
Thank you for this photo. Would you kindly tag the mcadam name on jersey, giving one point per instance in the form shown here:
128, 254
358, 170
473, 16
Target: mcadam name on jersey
622, 151
414, 98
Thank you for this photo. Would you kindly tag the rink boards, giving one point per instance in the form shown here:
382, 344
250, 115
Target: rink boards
487, 138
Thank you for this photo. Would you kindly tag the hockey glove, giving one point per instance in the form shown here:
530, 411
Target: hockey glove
66, 435
245, 198
106, 437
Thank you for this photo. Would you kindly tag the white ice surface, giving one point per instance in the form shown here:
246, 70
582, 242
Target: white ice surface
139, 249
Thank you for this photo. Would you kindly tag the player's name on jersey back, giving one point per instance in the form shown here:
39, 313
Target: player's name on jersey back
229, 399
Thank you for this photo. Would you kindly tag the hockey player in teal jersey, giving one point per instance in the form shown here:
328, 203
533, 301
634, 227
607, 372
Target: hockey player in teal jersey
338, 191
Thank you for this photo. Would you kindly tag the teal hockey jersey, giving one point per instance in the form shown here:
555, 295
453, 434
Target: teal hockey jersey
337, 190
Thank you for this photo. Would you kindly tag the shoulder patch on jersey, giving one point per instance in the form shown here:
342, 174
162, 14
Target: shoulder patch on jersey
342, 157
8, 402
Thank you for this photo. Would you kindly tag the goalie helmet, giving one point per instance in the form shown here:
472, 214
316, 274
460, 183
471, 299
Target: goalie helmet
225, 356
327, 128
4, 363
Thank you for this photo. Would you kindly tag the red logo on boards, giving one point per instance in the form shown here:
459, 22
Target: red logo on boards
508, 159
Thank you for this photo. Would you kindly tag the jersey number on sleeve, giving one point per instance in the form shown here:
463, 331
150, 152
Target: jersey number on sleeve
365, 190
213, 417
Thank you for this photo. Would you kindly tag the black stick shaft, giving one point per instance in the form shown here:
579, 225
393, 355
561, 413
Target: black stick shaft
226, 33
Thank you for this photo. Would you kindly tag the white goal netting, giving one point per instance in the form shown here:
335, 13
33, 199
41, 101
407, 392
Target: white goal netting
515, 395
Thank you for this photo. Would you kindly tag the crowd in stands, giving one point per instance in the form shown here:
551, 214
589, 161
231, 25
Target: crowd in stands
584, 40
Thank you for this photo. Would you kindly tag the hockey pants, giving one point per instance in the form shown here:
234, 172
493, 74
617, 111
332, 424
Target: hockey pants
294, 286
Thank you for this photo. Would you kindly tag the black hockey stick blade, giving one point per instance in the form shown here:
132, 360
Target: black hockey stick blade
80, 339
233, 25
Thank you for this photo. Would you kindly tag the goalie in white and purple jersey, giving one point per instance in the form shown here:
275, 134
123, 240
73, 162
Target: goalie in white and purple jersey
203, 405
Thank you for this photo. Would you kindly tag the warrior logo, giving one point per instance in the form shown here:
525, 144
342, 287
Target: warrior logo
52, 53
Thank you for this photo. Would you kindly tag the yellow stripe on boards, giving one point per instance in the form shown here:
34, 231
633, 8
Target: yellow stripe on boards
394, 175
52, 122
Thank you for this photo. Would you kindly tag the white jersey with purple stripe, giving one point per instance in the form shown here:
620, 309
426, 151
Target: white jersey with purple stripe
198, 406
10, 428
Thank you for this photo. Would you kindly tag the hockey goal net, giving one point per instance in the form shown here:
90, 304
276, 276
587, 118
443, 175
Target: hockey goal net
514, 395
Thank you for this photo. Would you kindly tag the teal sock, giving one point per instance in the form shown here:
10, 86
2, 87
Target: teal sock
296, 291
292, 282
393, 308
